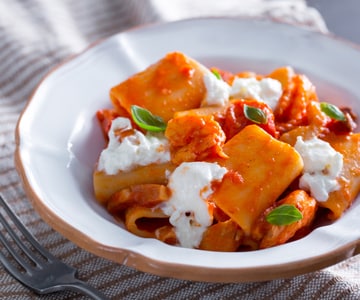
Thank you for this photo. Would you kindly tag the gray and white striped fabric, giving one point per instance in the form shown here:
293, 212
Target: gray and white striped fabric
36, 35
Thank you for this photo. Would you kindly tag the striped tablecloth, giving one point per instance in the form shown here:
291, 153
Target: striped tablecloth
36, 35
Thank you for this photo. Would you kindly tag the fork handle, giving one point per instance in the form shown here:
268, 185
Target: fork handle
85, 289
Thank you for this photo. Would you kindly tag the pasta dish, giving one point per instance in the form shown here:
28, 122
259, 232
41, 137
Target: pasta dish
209, 159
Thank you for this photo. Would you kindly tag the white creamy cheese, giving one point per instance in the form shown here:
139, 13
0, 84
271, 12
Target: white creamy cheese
130, 151
266, 90
217, 90
190, 185
322, 166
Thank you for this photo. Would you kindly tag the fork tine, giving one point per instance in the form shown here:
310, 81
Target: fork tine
20, 260
26, 234
11, 268
47, 255
49, 274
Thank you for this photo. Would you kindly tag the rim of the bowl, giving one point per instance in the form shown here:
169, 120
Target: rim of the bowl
163, 268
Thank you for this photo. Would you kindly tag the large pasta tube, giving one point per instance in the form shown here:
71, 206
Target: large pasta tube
349, 179
175, 83
267, 167
145, 195
223, 236
144, 221
272, 235
106, 185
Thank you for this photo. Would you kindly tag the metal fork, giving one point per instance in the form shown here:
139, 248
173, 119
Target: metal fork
35, 267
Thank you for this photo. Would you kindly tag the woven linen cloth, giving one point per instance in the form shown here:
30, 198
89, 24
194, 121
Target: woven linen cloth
35, 36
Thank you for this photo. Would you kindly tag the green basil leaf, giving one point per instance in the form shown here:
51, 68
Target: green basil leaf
255, 114
284, 215
332, 111
146, 120
217, 74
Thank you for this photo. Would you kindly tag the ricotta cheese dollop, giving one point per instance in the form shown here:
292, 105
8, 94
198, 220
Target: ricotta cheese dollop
266, 90
190, 185
322, 166
217, 90
125, 152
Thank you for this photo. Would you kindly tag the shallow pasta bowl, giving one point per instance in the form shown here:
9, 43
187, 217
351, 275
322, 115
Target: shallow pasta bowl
59, 140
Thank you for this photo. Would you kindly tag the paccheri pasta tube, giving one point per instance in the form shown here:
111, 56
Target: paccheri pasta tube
209, 159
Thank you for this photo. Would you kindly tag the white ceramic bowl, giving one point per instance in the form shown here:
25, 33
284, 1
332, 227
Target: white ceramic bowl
59, 140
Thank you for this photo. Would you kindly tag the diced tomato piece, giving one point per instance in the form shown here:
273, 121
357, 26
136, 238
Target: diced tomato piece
235, 120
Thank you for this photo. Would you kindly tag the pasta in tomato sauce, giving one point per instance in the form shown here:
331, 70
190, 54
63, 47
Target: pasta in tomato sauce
209, 159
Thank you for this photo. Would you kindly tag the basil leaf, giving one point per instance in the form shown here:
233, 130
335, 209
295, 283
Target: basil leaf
284, 215
146, 120
217, 74
255, 114
332, 111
